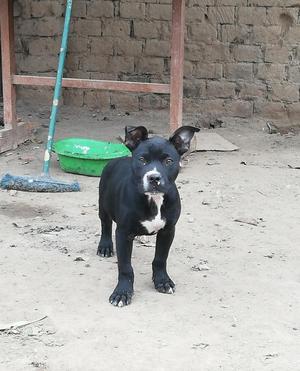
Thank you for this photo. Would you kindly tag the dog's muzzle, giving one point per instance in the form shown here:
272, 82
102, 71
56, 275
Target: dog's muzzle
153, 182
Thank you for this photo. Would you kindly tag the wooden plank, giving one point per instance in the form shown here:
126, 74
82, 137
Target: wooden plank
208, 141
177, 59
8, 63
93, 84
7, 142
11, 138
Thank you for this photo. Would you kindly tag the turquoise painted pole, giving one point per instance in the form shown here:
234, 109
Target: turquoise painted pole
57, 89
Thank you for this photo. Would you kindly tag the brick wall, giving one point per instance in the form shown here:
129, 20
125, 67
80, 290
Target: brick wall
242, 57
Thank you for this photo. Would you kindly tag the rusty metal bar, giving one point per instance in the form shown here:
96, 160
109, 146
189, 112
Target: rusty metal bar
8, 63
93, 84
177, 60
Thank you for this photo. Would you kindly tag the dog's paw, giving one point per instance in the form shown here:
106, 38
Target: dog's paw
164, 285
105, 249
120, 298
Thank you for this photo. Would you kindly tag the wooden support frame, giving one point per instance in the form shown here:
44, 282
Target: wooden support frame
177, 61
93, 84
8, 63
15, 133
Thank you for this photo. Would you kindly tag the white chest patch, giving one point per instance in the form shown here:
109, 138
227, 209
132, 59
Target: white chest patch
157, 223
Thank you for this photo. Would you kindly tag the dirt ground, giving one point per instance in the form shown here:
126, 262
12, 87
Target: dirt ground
237, 303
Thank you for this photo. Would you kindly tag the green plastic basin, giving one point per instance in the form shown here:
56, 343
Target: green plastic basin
87, 156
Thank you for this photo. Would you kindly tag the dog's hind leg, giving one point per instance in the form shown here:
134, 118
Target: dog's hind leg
105, 247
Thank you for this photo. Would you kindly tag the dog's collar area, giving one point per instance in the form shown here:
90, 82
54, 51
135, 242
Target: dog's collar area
155, 196
151, 194
156, 222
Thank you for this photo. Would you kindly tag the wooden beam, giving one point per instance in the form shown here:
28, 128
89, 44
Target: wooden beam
11, 138
177, 60
8, 63
93, 84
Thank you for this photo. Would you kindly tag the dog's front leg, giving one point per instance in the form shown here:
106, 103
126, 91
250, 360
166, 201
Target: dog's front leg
123, 292
161, 279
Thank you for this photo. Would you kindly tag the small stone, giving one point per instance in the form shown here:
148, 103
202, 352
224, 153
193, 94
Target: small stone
212, 162
272, 128
79, 259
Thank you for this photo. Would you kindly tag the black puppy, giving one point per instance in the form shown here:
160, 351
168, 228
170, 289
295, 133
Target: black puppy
139, 194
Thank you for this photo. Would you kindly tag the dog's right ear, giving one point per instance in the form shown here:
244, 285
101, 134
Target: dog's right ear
134, 136
181, 138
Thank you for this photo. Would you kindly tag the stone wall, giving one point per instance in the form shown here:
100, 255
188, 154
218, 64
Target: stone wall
242, 57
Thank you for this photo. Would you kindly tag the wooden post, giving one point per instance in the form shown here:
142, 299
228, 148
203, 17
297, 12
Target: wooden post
177, 60
8, 63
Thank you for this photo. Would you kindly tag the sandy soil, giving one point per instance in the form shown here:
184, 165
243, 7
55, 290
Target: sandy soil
236, 306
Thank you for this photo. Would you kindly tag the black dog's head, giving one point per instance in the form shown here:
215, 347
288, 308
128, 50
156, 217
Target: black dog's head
155, 161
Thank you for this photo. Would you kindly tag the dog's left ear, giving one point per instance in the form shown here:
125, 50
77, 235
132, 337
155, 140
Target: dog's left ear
181, 138
135, 135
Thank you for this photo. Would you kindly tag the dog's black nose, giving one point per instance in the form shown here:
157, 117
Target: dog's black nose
154, 178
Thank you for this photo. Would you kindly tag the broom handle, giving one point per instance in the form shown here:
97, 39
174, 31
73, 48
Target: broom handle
57, 89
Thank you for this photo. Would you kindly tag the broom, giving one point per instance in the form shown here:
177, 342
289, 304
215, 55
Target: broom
45, 183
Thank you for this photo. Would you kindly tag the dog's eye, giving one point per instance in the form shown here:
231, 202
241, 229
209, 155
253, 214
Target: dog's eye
143, 160
168, 161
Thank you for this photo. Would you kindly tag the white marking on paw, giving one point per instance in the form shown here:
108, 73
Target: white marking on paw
170, 291
157, 223
120, 304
